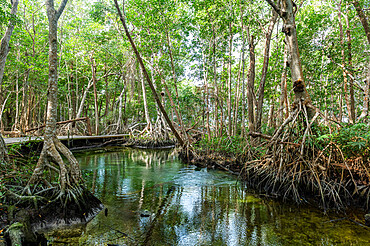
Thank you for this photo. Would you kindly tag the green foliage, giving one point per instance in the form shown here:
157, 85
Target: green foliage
4, 12
353, 140
229, 146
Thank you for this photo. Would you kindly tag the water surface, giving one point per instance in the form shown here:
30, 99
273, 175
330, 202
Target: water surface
154, 199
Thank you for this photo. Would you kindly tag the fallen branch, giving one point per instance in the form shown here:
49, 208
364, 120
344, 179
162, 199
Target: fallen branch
65, 122
267, 137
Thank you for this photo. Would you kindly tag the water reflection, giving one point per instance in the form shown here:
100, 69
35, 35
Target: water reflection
153, 199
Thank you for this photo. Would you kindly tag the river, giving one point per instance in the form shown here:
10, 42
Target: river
151, 198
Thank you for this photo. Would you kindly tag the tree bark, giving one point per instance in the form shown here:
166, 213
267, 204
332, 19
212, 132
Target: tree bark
83, 99
250, 86
266, 57
229, 81
146, 110
4, 45
146, 75
4, 50
352, 107
93, 71
345, 78
243, 76
364, 21
365, 110
284, 103
287, 13
69, 175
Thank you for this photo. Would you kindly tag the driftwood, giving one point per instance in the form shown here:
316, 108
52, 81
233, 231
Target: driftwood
66, 122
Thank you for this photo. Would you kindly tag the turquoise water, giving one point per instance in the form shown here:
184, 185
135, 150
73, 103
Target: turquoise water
154, 199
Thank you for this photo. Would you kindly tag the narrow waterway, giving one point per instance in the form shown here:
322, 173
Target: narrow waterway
154, 199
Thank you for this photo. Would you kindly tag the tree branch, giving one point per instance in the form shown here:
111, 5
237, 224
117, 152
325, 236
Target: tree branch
146, 75
363, 19
273, 5
61, 8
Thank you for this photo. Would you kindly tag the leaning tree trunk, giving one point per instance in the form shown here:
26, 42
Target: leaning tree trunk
146, 75
69, 175
287, 13
4, 50
362, 16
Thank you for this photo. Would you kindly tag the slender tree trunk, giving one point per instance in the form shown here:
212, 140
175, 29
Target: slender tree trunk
120, 107
365, 110
284, 103
215, 83
69, 175
146, 75
229, 81
351, 115
351, 90
206, 95
4, 44
146, 110
364, 21
93, 71
345, 80
83, 99
250, 86
106, 92
243, 76
4, 50
266, 57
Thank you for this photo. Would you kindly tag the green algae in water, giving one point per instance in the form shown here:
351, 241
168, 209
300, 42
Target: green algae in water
185, 205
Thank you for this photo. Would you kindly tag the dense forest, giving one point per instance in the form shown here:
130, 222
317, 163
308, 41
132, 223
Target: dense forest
277, 91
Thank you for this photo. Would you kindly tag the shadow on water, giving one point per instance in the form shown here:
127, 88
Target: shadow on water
151, 198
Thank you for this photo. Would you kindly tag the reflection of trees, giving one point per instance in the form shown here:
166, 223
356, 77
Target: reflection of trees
133, 181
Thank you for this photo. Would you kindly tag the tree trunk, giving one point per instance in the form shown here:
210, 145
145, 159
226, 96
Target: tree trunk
146, 110
266, 57
250, 86
206, 95
4, 45
69, 175
4, 50
345, 79
229, 81
362, 16
351, 90
83, 99
146, 75
4, 158
287, 13
284, 103
93, 71
365, 110
243, 76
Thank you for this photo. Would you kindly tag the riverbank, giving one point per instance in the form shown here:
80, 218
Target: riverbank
336, 188
21, 215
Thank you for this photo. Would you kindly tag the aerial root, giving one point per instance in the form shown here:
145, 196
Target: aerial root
292, 167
